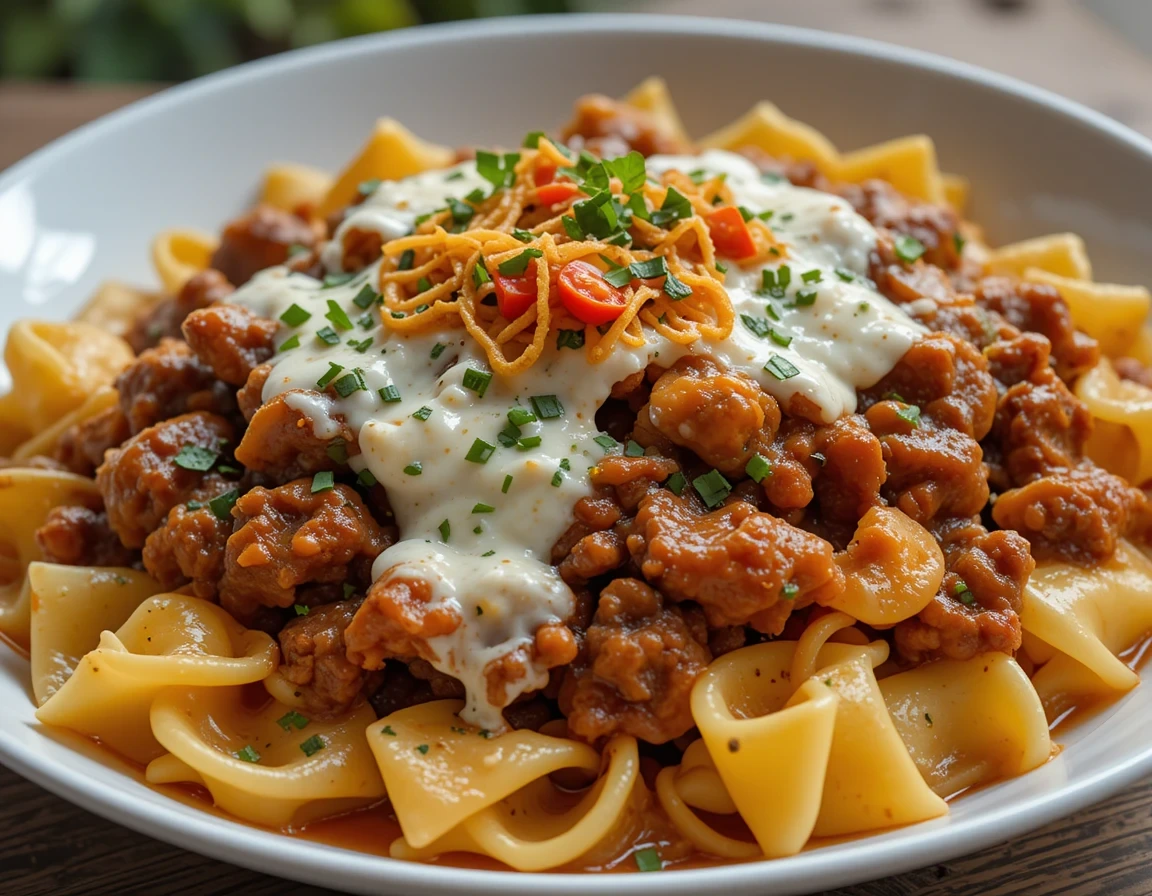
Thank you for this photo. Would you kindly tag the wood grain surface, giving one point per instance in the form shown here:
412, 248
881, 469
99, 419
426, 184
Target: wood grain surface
48, 846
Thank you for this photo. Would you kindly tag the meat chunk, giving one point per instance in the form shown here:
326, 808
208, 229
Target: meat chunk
852, 473
612, 127
257, 240
740, 565
141, 482
231, 340
978, 606
251, 394
593, 555
632, 477
81, 447
721, 416
636, 672
290, 536
167, 381
313, 658
1038, 307
281, 440
396, 620
74, 535
202, 289
188, 548
937, 227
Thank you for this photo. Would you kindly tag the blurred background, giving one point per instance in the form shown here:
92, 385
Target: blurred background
63, 62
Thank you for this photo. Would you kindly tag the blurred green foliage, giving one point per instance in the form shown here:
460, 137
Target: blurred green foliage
171, 40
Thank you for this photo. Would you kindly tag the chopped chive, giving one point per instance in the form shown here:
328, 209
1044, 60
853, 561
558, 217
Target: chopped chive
301, 610
334, 370
781, 368
331, 280
606, 442
387, 729
507, 484
806, 297
389, 394
756, 325
712, 487
365, 478
570, 339
487, 554
557, 478
532, 139
194, 505
423, 414
366, 298
480, 274
291, 342
477, 380
908, 248
547, 407
525, 236
423, 285
437, 350
313, 745
196, 458
480, 452
958, 242
445, 529
295, 315
292, 719
676, 483
812, 276
414, 469
845, 275
520, 416
758, 468
481, 507
745, 213
648, 859
328, 336
528, 442
779, 338
247, 754
368, 187
349, 383
675, 288
789, 590
423, 749
407, 257
337, 451
462, 212
633, 449
222, 505
324, 481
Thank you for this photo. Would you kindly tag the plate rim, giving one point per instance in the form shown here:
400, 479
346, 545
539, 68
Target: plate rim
320, 864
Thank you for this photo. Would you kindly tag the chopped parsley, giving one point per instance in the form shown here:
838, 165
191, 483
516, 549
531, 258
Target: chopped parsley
525, 236
480, 274
498, 169
675, 288
462, 212
445, 529
365, 478
324, 481
674, 207
676, 483
422, 749
222, 505
481, 507
928, 719
518, 264
196, 457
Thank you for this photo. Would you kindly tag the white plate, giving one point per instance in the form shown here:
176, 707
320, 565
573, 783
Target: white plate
84, 209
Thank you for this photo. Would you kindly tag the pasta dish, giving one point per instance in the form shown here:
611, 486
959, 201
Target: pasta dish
609, 500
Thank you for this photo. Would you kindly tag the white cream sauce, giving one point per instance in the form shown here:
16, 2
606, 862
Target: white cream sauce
497, 559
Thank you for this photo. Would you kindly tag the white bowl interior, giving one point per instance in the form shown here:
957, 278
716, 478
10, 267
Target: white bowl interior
85, 210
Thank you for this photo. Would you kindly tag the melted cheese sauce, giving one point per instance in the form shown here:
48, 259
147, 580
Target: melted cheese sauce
481, 533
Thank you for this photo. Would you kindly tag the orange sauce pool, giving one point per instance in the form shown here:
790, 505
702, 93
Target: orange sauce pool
372, 830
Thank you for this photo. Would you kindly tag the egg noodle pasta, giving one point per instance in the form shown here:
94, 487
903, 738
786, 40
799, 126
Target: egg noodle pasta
610, 501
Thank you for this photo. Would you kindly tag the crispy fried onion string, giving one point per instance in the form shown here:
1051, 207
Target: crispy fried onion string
441, 283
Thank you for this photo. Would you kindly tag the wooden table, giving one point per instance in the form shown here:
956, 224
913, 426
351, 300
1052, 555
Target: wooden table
49, 846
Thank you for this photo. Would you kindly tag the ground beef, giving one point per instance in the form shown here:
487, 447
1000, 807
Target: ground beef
636, 671
978, 606
259, 239
81, 447
611, 127
251, 394
740, 565
592, 556
723, 417
74, 535
290, 536
140, 482
188, 548
937, 227
631, 477
853, 472
167, 381
313, 658
203, 289
281, 441
231, 340
1039, 308
396, 621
